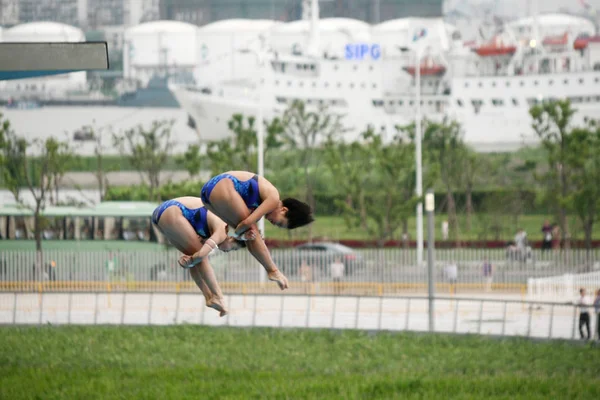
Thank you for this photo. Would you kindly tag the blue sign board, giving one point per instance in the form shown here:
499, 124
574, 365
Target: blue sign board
362, 51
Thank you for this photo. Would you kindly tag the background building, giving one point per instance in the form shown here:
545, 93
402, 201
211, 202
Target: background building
200, 12
86, 14
46, 86
9, 12
63, 11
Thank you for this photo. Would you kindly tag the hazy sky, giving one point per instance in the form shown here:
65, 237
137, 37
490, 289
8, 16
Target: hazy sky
519, 8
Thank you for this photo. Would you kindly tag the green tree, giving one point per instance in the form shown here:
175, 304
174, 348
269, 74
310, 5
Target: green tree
347, 163
102, 169
470, 168
147, 151
584, 162
380, 181
240, 151
304, 130
191, 160
443, 160
12, 159
551, 123
32, 166
443, 142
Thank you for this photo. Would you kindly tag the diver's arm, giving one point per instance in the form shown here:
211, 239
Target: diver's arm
268, 204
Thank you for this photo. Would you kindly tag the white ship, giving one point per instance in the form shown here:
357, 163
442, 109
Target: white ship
368, 74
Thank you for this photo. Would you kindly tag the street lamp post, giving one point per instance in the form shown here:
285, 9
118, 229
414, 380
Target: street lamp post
260, 138
260, 134
430, 208
260, 129
418, 157
418, 152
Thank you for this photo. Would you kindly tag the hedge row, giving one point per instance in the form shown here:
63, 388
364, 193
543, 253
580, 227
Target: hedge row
497, 201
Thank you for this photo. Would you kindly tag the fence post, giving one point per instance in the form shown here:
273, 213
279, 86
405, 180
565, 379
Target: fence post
281, 311
529, 320
456, 302
177, 307
123, 307
96, 309
70, 306
480, 316
551, 321
380, 313
407, 315
429, 207
574, 320
504, 319
150, 308
15, 309
41, 307
228, 316
254, 310
333, 312
308, 307
357, 312
202, 313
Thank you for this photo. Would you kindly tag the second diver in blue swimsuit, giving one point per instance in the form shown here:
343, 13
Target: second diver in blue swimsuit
197, 232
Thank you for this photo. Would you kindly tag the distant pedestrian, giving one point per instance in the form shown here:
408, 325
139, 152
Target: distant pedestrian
306, 275
488, 274
584, 314
337, 273
451, 272
597, 311
546, 236
521, 244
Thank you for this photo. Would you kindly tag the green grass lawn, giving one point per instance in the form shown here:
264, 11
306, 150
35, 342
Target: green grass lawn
81, 245
483, 227
193, 362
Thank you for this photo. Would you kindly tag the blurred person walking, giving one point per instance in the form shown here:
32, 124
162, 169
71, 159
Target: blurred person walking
584, 314
597, 311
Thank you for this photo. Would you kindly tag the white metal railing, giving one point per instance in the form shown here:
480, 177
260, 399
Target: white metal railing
368, 272
563, 287
400, 313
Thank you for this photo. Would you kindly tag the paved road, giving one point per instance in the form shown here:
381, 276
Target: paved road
290, 311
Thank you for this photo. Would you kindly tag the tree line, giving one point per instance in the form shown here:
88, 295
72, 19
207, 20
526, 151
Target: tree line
369, 181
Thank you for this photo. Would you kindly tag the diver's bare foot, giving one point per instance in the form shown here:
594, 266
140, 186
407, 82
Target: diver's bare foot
217, 304
278, 277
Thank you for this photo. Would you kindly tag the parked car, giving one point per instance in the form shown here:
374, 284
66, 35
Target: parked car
319, 256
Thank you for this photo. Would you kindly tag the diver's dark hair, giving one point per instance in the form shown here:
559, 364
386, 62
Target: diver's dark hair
241, 243
298, 214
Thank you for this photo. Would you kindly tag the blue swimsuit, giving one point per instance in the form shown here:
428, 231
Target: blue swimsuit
195, 216
247, 189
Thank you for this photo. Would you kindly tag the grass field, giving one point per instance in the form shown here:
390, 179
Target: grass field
192, 362
483, 227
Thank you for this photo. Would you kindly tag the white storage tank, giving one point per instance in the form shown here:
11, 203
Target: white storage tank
43, 32
228, 48
159, 48
47, 86
334, 35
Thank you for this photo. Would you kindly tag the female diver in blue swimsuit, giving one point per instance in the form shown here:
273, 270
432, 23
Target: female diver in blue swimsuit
196, 232
241, 199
